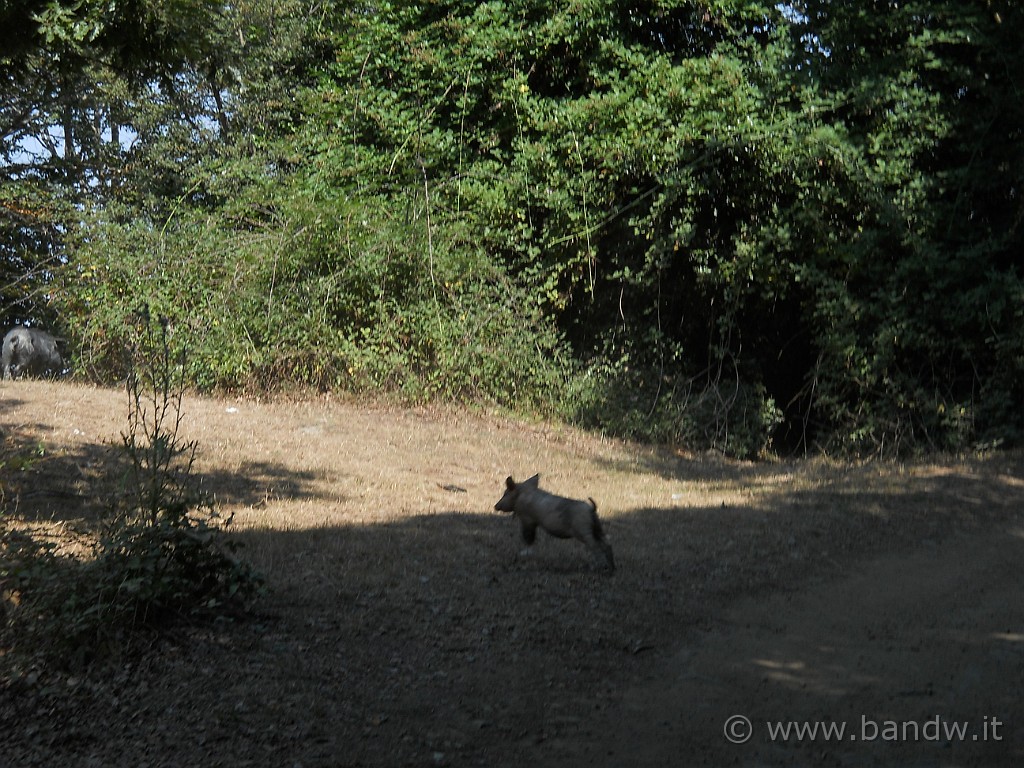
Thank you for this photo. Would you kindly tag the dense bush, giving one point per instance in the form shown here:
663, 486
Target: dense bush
734, 223
329, 294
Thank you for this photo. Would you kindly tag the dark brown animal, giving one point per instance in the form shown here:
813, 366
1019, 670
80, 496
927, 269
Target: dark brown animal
30, 351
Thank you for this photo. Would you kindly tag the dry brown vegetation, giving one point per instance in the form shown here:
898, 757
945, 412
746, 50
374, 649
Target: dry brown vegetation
401, 628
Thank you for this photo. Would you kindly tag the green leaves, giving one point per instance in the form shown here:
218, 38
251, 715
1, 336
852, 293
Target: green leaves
813, 207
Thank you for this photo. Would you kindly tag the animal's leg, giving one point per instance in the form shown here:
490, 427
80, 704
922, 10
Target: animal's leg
529, 531
603, 553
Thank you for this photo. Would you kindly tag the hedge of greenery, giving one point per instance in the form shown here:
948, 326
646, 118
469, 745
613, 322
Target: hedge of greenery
717, 222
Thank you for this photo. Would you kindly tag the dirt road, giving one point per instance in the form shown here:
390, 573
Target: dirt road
914, 659
401, 628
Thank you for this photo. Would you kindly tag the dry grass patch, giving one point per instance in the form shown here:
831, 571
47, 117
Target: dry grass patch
400, 627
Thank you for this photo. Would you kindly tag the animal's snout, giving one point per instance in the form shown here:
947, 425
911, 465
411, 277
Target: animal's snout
507, 502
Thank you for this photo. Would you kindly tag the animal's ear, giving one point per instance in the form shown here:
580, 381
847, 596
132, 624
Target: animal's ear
533, 482
510, 483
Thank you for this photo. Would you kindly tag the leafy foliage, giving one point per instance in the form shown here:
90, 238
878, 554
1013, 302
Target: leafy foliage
915, 304
161, 557
724, 222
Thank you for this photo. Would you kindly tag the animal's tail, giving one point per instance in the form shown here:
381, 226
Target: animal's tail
598, 532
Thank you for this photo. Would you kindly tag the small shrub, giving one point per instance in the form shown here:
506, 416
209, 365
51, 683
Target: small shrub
164, 554
161, 556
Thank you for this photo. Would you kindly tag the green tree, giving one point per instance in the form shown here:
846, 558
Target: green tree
917, 303
588, 150
69, 75
687, 220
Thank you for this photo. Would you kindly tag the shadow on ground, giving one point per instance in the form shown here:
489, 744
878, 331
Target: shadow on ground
427, 641
79, 483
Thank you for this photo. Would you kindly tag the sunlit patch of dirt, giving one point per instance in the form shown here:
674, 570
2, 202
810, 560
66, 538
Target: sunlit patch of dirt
402, 628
